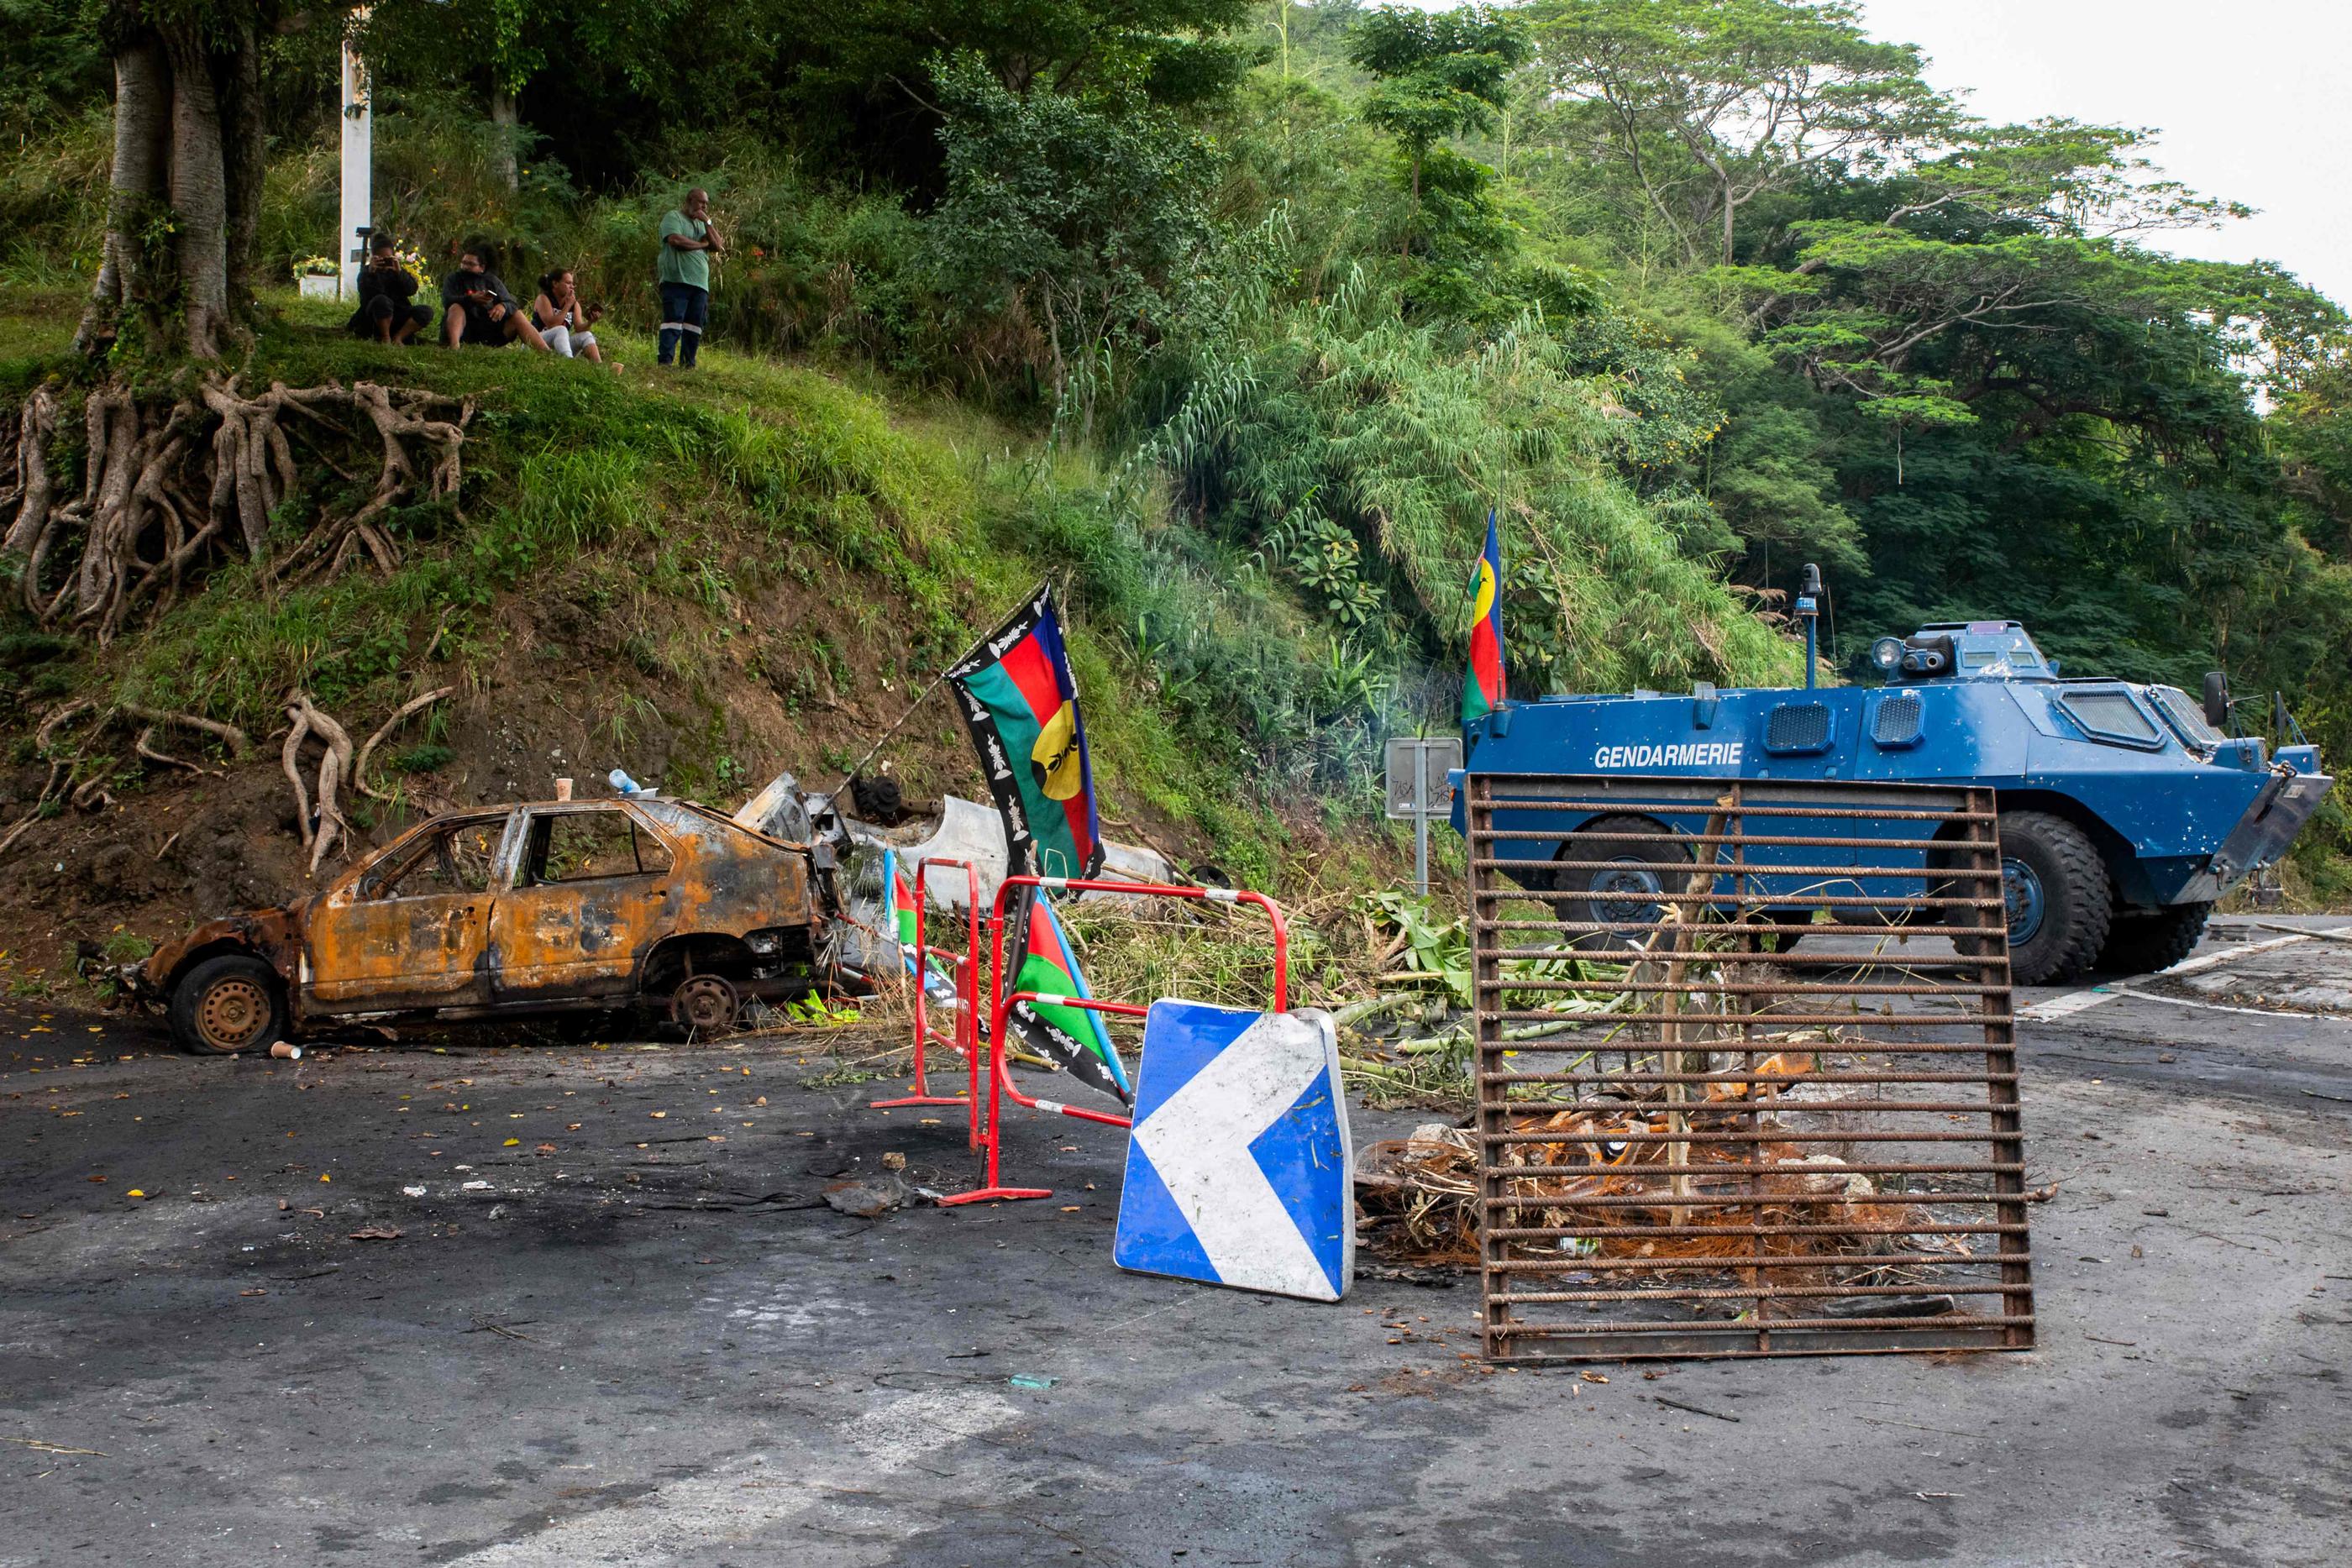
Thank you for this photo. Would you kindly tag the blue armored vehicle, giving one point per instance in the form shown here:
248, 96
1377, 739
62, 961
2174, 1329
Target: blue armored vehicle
2126, 809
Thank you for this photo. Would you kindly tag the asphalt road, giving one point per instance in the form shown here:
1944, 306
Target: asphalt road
618, 1326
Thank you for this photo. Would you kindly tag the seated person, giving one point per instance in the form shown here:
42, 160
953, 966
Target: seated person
388, 311
562, 321
477, 307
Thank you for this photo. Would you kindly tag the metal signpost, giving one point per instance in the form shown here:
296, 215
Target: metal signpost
1418, 789
358, 162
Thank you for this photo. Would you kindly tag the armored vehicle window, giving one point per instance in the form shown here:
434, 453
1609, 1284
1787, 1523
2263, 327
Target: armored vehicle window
2184, 717
2111, 714
578, 846
456, 860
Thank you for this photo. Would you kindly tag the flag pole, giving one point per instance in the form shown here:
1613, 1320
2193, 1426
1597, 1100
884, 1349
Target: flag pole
859, 766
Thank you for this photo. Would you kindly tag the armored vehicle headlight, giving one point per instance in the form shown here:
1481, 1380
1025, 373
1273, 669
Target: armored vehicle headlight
1888, 654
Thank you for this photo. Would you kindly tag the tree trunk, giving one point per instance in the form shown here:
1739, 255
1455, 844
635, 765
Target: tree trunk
176, 265
245, 154
505, 123
199, 191
141, 153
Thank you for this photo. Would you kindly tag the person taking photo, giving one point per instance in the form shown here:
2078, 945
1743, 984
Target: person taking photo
388, 311
687, 243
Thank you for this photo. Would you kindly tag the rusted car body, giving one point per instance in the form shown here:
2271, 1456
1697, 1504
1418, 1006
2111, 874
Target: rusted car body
549, 907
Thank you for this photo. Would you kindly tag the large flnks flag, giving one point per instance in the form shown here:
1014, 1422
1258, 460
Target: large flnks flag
1022, 707
1481, 684
1074, 1037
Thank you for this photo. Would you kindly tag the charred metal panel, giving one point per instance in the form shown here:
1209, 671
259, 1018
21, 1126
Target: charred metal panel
397, 952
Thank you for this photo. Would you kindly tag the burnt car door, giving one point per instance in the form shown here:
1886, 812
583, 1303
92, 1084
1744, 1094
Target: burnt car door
592, 881
410, 929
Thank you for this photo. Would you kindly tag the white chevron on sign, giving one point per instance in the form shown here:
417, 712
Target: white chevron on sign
1199, 1140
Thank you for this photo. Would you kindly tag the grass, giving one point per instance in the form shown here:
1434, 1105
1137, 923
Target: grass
660, 504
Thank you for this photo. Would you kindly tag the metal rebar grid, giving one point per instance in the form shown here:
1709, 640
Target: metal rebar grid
1695, 1142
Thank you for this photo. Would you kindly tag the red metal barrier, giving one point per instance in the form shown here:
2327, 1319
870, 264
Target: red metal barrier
965, 968
999, 1075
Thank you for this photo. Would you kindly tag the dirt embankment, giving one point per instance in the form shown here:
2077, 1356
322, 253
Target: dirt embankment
796, 680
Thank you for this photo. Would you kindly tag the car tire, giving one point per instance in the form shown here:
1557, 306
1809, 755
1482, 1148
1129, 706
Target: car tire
2143, 943
1594, 894
2059, 903
227, 1005
705, 1005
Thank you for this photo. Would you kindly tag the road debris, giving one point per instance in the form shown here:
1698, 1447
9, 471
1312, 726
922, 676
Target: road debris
867, 1197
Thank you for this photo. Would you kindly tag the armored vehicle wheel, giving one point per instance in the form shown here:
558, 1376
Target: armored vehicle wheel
2055, 891
2143, 943
228, 1004
1622, 891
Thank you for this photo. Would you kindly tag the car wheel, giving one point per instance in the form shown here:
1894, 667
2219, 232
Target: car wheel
1626, 888
226, 1004
2055, 892
705, 1004
2143, 943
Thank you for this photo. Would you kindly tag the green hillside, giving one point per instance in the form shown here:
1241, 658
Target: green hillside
1233, 321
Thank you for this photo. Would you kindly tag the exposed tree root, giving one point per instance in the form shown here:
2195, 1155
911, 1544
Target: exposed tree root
57, 776
323, 827
290, 759
169, 489
228, 734
145, 746
413, 706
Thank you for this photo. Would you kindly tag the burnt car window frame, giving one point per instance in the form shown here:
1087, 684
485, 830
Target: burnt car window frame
530, 856
381, 880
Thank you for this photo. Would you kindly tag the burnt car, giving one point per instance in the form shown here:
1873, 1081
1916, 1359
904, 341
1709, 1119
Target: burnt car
562, 906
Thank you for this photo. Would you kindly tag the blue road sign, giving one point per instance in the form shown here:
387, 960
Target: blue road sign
1237, 1173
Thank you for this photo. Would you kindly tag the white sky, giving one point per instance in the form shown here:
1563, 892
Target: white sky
2251, 96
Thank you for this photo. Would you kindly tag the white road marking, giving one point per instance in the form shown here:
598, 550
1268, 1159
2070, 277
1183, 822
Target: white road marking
2073, 1002
2232, 954
2077, 1001
1199, 1138
740, 1499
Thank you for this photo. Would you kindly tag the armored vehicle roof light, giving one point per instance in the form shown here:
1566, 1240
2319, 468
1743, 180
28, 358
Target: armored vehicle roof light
1886, 655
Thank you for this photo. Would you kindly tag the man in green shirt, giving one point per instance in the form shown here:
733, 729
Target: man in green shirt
688, 243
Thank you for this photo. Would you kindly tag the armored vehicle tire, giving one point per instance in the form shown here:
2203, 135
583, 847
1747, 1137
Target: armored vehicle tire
1604, 893
2143, 943
226, 1004
2056, 889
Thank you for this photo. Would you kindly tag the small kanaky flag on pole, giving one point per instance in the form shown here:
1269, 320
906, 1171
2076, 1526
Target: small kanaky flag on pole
899, 906
1074, 1036
1481, 684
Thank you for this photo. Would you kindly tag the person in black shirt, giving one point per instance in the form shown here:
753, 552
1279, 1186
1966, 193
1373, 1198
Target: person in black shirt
388, 311
476, 307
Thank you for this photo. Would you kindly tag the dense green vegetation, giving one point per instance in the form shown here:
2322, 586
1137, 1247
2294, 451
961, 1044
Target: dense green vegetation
1280, 300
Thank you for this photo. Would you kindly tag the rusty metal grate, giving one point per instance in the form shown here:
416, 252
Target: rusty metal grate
1727, 1106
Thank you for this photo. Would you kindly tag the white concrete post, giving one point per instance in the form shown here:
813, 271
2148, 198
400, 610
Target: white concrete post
359, 160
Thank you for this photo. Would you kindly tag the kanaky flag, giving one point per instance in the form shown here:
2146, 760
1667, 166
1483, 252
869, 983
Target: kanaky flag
898, 904
1074, 1037
1481, 684
899, 920
1022, 707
